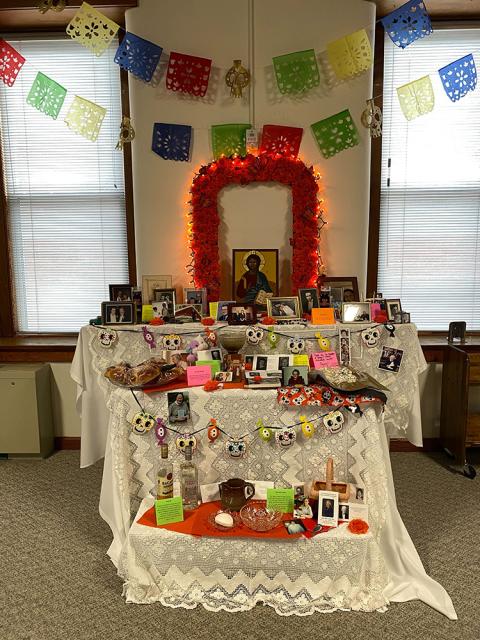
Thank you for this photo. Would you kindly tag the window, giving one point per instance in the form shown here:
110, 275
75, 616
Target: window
429, 249
65, 194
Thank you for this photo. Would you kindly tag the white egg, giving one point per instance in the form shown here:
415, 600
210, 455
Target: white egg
224, 519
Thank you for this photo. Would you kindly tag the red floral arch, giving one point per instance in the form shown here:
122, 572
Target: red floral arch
204, 217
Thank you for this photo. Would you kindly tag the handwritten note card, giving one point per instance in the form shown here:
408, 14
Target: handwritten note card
323, 316
324, 359
198, 376
280, 500
169, 510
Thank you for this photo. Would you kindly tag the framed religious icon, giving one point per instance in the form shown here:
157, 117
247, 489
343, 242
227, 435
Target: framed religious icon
346, 287
254, 271
149, 283
285, 308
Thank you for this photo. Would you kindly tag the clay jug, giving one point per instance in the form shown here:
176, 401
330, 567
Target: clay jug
235, 493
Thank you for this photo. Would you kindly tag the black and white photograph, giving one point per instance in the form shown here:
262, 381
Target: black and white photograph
261, 363
222, 310
325, 297
294, 526
196, 296
178, 406
284, 361
308, 300
216, 354
164, 300
394, 310
390, 359
241, 314
344, 511
283, 307
249, 361
356, 312
357, 494
224, 376
328, 508
405, 317
295, 376
120, 292
344, 351
118, 313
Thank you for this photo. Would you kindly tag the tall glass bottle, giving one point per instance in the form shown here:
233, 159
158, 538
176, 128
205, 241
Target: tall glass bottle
189, 481
164, 475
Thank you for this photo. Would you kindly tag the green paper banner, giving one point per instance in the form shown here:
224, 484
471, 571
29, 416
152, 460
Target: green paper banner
229, 140
336, 133
296, 72
46, 95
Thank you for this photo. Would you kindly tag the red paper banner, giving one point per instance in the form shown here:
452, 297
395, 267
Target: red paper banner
10, 63
188, 74
282, 140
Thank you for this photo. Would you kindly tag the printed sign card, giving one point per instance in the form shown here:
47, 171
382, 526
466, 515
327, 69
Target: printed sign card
324, 359
169, 510
323, 315
198, 376
280, 500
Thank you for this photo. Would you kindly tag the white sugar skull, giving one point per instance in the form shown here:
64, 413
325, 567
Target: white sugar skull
371, 336
284, 400
254, 334
236, 448
372, 119
308, 391
298, 401
172, 342
107, 337
337, 401
296, 345
285, 437
142, 423
333, 421
185, 440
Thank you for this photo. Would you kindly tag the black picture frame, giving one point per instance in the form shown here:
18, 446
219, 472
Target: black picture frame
107, 307
233, 315
113, 290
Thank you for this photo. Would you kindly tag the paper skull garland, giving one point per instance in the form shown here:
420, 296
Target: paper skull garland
237, 78
272, 337
307, 427
236, 448
160, 431
172, 342
107, 337
142, 423
372, 119
213, 431
285, 437
323, 343
264, 433
127, 133
333, 421
211, 337
371, 336
296, 345
254, 334
149, 338
185, 440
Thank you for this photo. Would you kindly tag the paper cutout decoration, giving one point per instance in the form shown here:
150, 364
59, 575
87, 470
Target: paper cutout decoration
138, 56
188, 74
46, 95
296, 72
416, 98
237, 78
372, 119
127, 133
172, 141
408, 23
92, 29
351, 55
229, 140
10, 63
160, 431
336, 133
459, 77
281, 140
54, 5
85, 118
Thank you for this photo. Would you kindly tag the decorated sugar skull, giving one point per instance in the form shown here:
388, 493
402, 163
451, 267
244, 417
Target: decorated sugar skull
160, 431
296, 345
107, 337
326, 395
307, 427
254, 334
172, 342
308, 391
236, 448
149, 338
212, 431
272, 337
285, 437
185, 440
142, 422
337, 401
371, 336
333, 421
323, 343
299, 400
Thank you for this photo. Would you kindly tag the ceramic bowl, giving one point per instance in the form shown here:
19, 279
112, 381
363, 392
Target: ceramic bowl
256, 516
232, 339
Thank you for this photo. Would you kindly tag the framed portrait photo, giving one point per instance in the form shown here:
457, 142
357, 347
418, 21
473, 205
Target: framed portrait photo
394, 309
164, 300
196, 296
348, 286
253, 271
328, 508
239, 313
288, 308
222, 310
120, 292
355, 312
149, 283
118, 313
308, 300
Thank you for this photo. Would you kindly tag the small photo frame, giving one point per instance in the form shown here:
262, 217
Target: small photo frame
178, 406
118, 313
302, 508
288, 308
121, 292
234, 363
189, 312
325, 297
308, 300
390, 359
294, 527
405, 317
241, 314
328, 508
295, 376
164, 300
224, 376
345, 355
343, 512
284, 361
222, 310
150, 283
356, 312
394, 309
196, 296
456, 332
357, 494
348, 286
261, 363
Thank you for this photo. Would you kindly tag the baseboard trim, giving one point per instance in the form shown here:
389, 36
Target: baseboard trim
70, 444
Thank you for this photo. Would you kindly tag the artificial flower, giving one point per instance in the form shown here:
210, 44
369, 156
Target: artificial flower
357, 526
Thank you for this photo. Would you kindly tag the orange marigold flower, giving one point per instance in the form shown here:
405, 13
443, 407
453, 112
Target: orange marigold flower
357, 526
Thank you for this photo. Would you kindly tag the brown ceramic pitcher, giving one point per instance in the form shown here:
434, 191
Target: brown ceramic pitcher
235, 493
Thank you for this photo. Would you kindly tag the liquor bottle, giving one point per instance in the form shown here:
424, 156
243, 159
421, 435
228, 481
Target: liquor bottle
164, 475
189, 481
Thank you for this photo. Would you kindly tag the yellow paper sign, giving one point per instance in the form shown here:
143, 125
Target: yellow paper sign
147, 313
300, 360
323, 316
350, 55
213, 309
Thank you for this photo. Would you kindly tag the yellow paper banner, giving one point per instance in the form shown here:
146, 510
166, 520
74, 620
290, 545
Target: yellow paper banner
351, 55
85, 118
92, 29
416, 98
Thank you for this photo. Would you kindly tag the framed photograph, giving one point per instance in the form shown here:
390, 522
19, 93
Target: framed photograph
308, 300
284, 361
456, 331
394, 308
295, 376
224, 376
189, 312
343, 512
234, 363
254, 270
164, 299
196, 296
357, 494
178, 406
283, 307
118, 313
121, 292
222, 310
261, 362
390, 359
345, 355
149, 283
347, 284
405, 317
325, 298
355, 312
328, 508
239, 313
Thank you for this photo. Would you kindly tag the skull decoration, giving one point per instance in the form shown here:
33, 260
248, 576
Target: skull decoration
160, 431
254, 334
323, 343
296, 345
107, 337
172, 342
212, 431
210, 337
371, 336
236, 448
307, 427
127, 133
372, 119
142, 423
285, 437
149, 338
264, 432
333, 421
272, 337
390, 328
185, 440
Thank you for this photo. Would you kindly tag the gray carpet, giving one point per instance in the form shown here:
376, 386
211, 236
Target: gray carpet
57, 583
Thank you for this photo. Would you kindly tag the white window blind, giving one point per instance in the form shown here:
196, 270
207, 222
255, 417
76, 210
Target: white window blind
65, 194
429, 252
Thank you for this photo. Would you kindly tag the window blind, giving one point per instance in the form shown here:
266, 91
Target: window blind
429, 250
65, 194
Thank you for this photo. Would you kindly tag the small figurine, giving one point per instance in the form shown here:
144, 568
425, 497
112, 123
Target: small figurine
127, 133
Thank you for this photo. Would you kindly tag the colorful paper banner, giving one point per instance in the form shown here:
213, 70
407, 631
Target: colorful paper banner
416, 98
188, 74
46, 95
335, 134
296, 72
11, 61
459, 77
85, 118
229, 140
282, 140
172, 141
139, 56
408, 23
92, 29
351, 55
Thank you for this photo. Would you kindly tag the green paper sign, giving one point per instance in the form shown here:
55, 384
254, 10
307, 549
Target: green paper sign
46, 95
169, 510
280, 500
336, 133
229, 140
213, 364
296, 72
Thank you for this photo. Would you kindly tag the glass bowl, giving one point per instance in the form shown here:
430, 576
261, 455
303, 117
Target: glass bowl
256, 516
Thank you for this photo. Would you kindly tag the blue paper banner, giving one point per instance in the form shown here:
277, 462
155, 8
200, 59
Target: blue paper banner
172, 141
138, 56
408, 23
459, 77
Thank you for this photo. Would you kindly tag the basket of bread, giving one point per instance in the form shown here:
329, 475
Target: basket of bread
151, 373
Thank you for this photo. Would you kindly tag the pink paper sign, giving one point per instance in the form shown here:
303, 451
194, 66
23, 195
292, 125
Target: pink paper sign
324, 359
198, 376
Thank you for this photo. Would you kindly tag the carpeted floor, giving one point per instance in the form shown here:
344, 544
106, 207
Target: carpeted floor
56, 583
